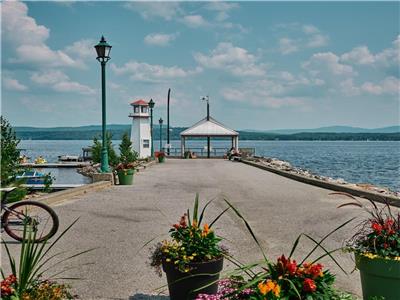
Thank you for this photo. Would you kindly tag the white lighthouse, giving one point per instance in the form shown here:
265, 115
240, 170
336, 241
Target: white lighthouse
140, 131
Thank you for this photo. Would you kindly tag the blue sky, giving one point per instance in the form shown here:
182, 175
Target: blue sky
265, 65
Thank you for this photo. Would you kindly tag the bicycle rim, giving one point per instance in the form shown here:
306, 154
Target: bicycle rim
41, 221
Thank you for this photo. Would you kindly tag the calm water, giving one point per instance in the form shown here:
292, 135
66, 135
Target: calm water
359, 162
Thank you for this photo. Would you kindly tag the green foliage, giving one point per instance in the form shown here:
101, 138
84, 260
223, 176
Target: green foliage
286, 279
9, 153
127, 155
48, 181
34, 262
96, 150
10, 161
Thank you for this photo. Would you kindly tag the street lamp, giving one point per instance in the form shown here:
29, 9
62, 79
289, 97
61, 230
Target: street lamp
103, 56
160, 122
207, 99
151, 105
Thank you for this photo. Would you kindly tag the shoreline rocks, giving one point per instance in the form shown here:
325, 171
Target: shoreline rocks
287, 167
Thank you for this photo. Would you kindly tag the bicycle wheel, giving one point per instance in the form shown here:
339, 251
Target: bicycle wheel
38, 217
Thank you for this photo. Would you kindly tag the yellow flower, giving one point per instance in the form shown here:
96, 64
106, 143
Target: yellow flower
168, 260
194, 224
194, 254
191, 257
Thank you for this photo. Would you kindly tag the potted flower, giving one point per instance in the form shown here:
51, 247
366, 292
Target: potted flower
127, 161
192, 258
160, 155
376, 245
286, 278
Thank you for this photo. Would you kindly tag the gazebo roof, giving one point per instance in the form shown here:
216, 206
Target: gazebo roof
210, 128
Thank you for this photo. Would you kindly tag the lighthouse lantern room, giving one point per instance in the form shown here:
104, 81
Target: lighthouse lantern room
140, 131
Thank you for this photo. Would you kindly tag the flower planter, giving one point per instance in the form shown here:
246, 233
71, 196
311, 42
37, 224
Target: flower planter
125, 177
161, 159
182, 285
379, 277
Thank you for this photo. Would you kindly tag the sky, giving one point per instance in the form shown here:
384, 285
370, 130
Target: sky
264, 65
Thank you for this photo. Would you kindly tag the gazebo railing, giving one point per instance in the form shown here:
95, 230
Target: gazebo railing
214, 152
198, 151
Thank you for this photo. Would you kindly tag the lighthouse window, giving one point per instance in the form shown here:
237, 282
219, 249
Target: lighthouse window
146, 143
136, 109
144, 109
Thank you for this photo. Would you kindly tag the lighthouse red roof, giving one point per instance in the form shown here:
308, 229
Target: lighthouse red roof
139, 102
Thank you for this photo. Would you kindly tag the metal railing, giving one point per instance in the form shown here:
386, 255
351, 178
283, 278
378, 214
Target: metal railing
202, 152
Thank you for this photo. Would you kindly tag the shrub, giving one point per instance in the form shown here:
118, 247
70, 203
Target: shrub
96, 150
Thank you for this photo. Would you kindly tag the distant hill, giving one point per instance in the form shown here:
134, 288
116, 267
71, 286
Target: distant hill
332, 133
333, 129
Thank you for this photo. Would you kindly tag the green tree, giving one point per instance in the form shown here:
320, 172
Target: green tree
96, 150
9, 153
10, 161
127, 155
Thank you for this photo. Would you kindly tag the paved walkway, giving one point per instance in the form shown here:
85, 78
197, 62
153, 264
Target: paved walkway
121, 219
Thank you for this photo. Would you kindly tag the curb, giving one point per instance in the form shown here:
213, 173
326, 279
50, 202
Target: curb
394, 201
56, 197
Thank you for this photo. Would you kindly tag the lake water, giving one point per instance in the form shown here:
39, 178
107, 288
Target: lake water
359, 162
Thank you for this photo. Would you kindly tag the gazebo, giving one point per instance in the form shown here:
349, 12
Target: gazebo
209, 128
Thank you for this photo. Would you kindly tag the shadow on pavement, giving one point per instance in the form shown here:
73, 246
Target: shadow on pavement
148, 297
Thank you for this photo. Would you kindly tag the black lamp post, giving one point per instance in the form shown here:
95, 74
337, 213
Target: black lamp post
151, 105
207, 99
160, 122
103, 56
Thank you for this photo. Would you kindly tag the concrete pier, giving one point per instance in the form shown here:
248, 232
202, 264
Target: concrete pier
121, 219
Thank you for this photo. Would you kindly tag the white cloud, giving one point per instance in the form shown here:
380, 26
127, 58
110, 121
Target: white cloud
152, 10
235, 60
310, 29
18, 27
221, 8
28, 38
13, 85
83, 48
317, 40
299, 37
390, 85
328, 62
60, 82
152, 73
260, 97
287, 46
194, 21
361, 55
159, 39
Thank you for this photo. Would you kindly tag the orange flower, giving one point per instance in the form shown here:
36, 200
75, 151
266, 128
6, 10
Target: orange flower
268, 286
206, 230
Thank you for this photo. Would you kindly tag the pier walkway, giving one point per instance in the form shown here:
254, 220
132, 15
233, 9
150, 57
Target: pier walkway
120, 220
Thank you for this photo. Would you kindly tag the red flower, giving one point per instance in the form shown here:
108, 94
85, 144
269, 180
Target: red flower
6, 288
286, 264
376, 227
315, 270
309, 285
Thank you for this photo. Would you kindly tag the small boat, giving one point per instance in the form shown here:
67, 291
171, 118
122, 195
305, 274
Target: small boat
40, 160
32, 177
68, 158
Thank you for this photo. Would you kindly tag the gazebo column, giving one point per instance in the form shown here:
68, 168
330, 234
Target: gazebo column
182, 146
236, 138
233, 142
208, 146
